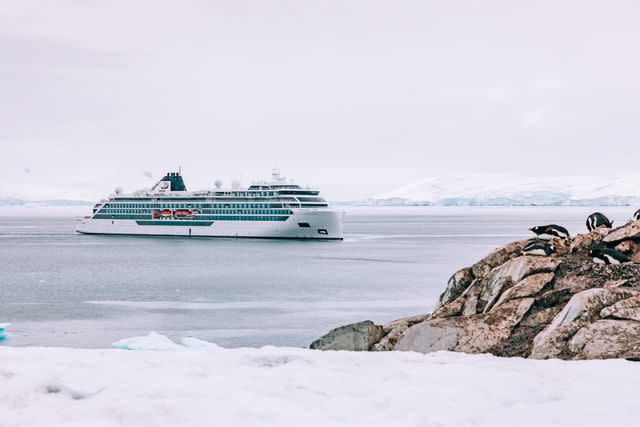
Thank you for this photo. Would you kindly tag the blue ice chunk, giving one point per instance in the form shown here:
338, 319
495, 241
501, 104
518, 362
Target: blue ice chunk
197, 344
3, 330
153, 341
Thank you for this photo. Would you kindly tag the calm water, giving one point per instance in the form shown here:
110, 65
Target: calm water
59, 288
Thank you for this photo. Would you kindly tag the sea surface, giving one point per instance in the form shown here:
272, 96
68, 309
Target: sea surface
59, 288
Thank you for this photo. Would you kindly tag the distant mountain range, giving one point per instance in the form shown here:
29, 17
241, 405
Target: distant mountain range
479, 190
17, 201
497, 190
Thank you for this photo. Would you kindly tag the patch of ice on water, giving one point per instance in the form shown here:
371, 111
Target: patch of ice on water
158, 342
3, 330
198, 344
153, 341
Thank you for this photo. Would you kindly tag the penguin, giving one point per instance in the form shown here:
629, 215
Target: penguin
538, 249
636, 215
548, 232
608, 256
533, 241
596, 220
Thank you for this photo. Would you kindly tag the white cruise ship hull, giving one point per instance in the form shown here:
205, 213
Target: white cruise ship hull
323, 224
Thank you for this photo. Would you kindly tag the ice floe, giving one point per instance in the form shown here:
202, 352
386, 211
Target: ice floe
153, 341
197, 344
158, 342
3, 330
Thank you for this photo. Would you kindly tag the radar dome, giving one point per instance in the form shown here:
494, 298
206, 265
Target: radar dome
118, 190
218, 183
235, 184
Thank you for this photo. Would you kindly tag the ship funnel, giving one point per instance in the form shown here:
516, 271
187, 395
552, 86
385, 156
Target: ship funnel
172, 181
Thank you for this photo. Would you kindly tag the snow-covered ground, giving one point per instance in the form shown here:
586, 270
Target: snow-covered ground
209, 386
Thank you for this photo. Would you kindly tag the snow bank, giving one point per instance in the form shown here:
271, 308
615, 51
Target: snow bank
295, 387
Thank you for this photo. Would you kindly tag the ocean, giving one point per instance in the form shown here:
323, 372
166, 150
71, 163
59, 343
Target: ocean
59, 288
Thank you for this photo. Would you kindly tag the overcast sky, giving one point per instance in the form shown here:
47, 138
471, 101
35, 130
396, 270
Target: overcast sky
358, 97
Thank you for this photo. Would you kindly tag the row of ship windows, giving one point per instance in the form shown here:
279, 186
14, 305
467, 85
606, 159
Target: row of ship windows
208, 211
211, 218
197, 206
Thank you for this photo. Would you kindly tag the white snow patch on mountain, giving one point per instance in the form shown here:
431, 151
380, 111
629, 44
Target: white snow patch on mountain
487, 190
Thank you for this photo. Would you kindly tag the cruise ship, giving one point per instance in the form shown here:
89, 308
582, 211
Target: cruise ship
270, 209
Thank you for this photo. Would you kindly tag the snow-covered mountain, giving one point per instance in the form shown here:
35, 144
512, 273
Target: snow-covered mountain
19, 201
498, 190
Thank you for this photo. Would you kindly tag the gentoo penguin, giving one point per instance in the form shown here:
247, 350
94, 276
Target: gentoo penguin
539, 249
596, 220
636, 215
548, 232
608, 256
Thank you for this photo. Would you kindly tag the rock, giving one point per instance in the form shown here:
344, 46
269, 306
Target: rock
583, 243
457, 284
470, 334
520, 343
579, 275
355, 337
512, 272
584, 306
555, 344
615, 283
630, 248
454, 308
471, 296
553, 298
497, 257
631, 230
529, 286
605, 339
587, 304
393, 330
541, 316
628, 309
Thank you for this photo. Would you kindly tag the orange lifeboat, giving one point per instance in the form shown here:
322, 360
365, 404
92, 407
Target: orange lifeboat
182, 213
166, 212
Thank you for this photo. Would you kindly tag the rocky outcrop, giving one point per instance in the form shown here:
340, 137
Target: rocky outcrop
509, 304
467, 334
359, 336
394, 330
627, 232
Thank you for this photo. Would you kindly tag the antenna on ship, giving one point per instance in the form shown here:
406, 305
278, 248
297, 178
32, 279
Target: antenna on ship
275, 175
179, 170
